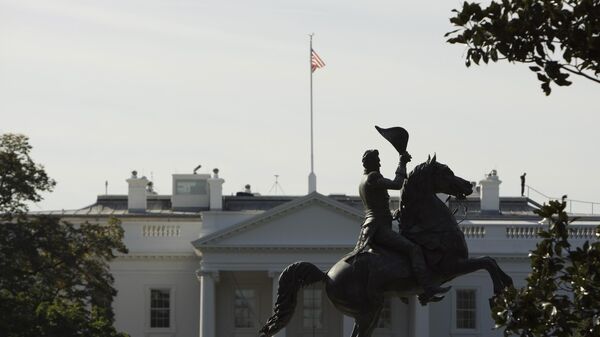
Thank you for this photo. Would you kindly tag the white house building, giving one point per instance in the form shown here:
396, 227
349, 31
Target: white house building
201, 264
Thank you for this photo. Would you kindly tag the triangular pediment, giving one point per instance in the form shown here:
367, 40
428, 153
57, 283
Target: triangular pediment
311, 221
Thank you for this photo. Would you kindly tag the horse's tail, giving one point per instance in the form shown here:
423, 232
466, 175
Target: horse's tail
295, 277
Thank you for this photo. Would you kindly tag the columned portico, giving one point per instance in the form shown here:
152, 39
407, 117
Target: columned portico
207, 302
251, 255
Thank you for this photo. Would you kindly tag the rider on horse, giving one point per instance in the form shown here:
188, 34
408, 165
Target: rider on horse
377, 228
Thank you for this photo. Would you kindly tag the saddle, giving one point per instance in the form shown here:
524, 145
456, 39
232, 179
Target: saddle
382, 260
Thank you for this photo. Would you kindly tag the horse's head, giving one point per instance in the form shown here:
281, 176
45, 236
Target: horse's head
434, 177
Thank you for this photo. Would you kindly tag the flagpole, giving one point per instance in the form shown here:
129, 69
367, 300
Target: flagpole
312, 178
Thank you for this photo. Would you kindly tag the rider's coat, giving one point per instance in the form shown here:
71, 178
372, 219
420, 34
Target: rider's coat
373, 192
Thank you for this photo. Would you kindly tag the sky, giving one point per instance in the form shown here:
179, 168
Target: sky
106, 87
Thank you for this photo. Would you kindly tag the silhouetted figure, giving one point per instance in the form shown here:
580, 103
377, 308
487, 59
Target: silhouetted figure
523, 184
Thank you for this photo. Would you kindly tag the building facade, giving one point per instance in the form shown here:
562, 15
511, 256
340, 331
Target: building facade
203, 264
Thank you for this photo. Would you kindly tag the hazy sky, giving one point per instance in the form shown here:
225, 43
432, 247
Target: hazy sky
106, 87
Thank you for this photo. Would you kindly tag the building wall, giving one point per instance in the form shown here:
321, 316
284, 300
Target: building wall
162, 256
134, 277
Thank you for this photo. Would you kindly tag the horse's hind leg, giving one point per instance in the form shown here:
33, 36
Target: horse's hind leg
366, 323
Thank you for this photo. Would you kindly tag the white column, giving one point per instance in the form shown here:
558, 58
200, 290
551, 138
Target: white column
207, 302
347, 326
419, 318
274, 275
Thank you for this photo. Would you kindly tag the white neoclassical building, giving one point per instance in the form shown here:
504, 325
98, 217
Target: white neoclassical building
203, 264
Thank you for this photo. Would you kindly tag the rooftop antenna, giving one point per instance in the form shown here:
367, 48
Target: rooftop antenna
106, 187
276, 186
197, 168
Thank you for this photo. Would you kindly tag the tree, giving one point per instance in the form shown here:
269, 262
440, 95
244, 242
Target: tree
562, 296
21, 179
54, 276
557, 37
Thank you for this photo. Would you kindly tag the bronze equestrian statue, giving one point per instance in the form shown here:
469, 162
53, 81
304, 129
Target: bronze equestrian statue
356, 283
377, 228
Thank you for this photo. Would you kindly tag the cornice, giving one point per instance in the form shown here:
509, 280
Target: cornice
157, 256
216, 248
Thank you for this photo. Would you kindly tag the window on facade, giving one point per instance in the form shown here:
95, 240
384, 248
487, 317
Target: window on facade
312, 309
466, 309
190, 187
244, 308
160, 308
385, 318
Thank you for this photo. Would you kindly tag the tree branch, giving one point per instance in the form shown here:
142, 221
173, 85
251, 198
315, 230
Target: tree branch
580, 73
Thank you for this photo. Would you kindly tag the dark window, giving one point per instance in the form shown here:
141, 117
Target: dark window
160, 308
466, 309
313, 309
244, 308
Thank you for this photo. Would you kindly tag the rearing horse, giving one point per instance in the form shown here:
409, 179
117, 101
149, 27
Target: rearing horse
356, 284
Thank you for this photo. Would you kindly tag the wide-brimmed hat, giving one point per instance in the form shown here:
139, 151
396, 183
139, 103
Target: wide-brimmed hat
398, 136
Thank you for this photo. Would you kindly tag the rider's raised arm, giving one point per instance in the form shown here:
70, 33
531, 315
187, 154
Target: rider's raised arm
376, 180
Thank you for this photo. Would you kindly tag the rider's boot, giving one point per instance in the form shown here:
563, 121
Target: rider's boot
423, 276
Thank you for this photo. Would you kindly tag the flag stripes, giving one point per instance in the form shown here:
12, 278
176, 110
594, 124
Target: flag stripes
315, 61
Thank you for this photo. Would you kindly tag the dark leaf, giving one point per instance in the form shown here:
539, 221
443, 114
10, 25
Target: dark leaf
476, 57
494, 54
452, 32
546, 88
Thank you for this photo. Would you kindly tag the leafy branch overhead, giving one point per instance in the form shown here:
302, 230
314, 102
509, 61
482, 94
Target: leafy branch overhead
558, 38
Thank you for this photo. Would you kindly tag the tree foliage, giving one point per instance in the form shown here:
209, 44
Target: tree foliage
54, 276
557, 37
21, 179
562, 296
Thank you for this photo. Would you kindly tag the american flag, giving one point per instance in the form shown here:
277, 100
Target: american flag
315, 61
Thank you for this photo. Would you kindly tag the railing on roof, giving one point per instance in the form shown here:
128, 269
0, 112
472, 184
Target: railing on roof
581, 206
519, 232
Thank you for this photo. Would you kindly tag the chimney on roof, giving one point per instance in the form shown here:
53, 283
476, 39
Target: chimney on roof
490, 193
136, 196
215, 185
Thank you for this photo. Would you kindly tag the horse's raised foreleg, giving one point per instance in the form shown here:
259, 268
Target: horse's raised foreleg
467, 266
507, 281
